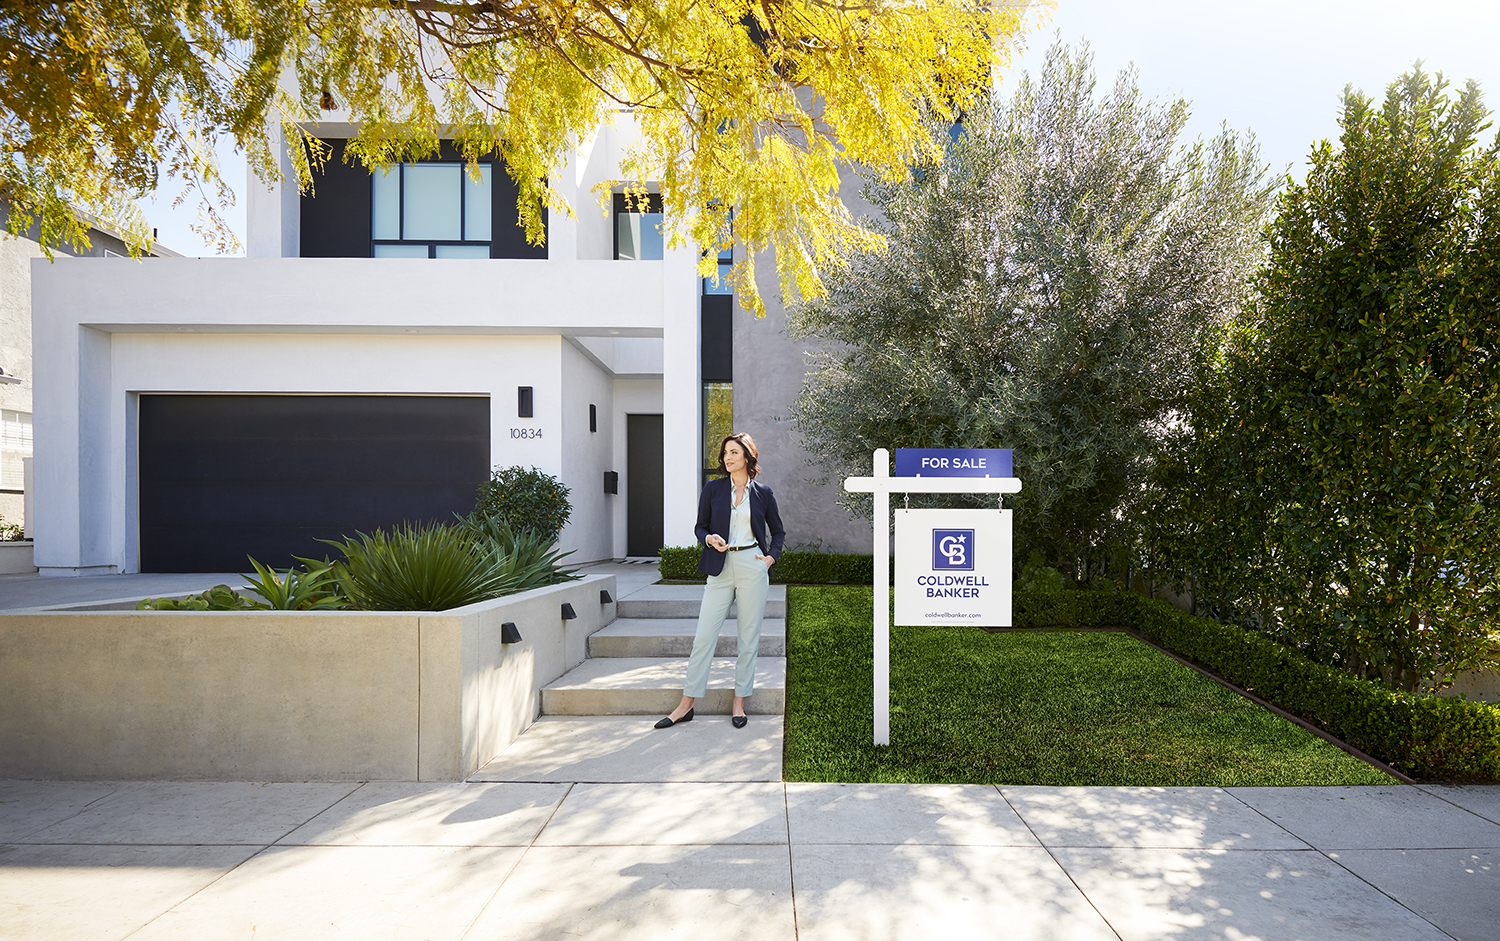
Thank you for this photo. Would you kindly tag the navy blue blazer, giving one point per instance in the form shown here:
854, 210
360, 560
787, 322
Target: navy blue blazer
713, 517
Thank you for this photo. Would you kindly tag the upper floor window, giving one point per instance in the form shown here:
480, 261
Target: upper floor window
638, 227
431, 210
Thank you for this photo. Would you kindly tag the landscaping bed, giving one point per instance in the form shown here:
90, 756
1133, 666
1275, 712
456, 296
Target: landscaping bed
1027, 707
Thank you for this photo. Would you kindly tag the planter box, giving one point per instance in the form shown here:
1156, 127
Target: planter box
282, 696
15, 558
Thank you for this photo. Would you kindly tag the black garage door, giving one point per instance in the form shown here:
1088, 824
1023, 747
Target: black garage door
226, 476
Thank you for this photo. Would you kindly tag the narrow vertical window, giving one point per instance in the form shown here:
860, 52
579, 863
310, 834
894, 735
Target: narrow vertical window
638, 235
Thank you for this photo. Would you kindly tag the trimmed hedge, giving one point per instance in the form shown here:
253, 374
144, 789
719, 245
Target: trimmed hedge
680, 563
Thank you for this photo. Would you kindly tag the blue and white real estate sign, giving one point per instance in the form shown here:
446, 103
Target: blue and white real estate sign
953, 567
953, 462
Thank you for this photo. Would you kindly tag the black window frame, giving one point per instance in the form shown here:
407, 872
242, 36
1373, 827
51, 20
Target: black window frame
463, 209
622, 204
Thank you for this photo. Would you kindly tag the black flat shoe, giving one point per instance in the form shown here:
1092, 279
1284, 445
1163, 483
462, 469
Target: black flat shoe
667, 722
738, 721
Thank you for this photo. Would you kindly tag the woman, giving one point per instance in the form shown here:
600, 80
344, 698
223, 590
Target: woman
740, 530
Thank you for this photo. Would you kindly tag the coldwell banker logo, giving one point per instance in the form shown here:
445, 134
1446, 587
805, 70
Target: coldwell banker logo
953, 550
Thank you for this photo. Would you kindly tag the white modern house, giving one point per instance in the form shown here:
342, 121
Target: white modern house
388, 341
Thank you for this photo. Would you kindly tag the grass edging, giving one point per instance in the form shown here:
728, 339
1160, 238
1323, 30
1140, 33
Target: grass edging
1420, 736
1272, 707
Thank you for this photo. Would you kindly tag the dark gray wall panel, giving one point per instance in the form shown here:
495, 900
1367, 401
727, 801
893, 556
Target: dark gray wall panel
226, 476
644, 485
336, 215
717, 343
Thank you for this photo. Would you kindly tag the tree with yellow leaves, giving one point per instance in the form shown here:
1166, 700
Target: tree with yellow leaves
752, 105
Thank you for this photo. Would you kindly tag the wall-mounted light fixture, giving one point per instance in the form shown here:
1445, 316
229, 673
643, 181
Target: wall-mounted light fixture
509, 634
593, 418
611, 481
523, 401
568, 614
604, 597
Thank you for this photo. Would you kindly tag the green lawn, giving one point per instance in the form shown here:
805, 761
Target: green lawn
1054, 707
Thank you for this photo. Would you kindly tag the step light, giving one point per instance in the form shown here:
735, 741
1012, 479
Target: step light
509, 634
568, 613
604, 597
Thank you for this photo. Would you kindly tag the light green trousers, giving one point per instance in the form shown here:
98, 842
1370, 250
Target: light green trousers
745, 580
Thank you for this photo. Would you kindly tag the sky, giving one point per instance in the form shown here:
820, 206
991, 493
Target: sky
1273, 67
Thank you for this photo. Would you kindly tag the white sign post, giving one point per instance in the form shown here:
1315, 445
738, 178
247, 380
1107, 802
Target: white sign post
882, 485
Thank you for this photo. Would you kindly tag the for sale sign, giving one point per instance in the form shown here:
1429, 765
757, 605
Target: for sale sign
953, 567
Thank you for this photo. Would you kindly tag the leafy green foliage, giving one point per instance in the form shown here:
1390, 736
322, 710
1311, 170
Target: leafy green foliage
520, 500
1043, 707
105, 97
312, 588
1049, 287
1037, 575
217, 598
10, 532
1335, 482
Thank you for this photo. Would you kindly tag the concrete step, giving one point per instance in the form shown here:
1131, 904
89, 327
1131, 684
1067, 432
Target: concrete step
683, 601
673, 637
641, 686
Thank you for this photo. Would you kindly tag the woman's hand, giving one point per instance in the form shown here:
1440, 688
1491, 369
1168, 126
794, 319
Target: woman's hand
715, 541
766, 559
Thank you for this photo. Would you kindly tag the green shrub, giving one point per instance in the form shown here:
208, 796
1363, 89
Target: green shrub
1037, 575
524, 500
10, 532
680, 563
217, 598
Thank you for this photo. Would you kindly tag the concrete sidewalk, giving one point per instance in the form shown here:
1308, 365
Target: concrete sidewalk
745, 860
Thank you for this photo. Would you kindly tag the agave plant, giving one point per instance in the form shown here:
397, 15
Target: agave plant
529, 555
312, 588
420, 567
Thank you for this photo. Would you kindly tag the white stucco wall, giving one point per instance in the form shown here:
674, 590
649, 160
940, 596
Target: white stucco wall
112, 330
586, 456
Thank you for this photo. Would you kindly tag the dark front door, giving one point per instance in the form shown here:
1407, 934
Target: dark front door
643, 484
223, 477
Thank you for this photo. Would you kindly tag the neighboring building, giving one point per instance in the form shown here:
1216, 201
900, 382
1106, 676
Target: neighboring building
387, 342
16, 256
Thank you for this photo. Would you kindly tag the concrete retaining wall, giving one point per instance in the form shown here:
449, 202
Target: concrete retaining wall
15, 558
282, 696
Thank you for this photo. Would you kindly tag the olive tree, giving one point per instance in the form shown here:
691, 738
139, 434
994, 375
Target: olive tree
1048, 287
1339, 481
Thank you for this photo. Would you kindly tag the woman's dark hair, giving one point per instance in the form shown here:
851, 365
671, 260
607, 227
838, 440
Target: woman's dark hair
747, 444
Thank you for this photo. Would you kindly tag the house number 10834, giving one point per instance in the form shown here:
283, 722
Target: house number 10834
526, 432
